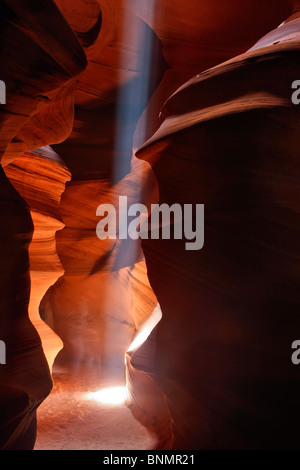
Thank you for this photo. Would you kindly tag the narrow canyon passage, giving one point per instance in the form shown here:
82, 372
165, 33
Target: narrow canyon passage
87, 407
69, 419
118, 341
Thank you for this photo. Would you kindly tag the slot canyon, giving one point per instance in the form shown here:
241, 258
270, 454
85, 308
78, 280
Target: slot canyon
128, 343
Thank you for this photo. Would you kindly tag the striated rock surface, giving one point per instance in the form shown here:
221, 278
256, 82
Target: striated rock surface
40, 59
26, 372
95, 324
230, 140
40, 177
141, 54
39, 90
216, 369
125, 66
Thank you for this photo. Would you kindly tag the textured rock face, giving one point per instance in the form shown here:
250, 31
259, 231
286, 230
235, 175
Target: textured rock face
228, 377
40, 177
125, 66
39, 91
39, 61
106, 115
25, 379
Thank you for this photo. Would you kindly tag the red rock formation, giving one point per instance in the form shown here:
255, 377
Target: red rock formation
39, 177
218, 363
39, 60
235, 126
39, 91
121, 55
125, 66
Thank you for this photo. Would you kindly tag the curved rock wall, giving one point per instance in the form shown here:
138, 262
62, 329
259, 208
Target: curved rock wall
39, 63
213, 372
227, 379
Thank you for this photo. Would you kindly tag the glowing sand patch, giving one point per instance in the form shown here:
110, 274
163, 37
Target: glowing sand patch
109, 396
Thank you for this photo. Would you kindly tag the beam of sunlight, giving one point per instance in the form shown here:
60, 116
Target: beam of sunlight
115, 396
135, 76
146, 329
